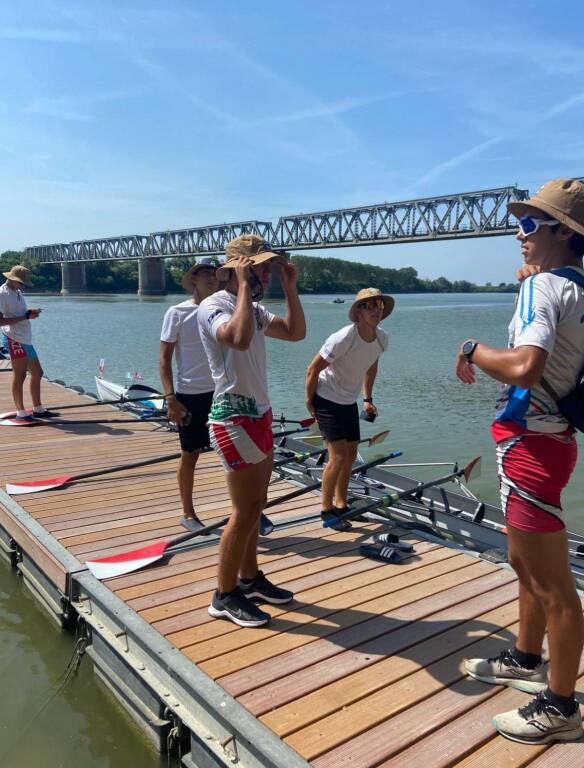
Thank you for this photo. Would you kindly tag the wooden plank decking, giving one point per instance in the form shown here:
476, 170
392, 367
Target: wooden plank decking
362, 670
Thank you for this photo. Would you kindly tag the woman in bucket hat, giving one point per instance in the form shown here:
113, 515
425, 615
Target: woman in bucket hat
15, 320
189, 402
536, 454
233, 329
346, 363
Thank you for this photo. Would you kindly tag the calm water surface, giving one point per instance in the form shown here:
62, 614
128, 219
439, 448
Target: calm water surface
431, 415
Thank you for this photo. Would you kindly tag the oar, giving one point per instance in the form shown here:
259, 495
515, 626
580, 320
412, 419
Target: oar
153, 396
317, 485
51, 483
126, 562
309, 421
472, 470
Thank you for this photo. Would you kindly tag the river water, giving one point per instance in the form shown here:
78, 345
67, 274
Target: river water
431, 415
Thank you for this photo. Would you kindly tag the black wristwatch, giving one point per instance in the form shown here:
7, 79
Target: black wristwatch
368, 400
468, 348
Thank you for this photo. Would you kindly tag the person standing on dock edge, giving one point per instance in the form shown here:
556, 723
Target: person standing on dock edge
536, 453
233, 330
189, 405
15, 320
347, 363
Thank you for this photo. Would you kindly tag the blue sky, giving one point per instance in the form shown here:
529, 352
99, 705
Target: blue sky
132, 117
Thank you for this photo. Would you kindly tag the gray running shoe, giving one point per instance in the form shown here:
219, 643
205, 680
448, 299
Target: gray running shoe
539, 722
505, 670
239, 609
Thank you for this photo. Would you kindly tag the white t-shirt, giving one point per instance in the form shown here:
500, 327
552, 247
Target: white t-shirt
181, 327
549, 315
13, 304
350, 358
241, 382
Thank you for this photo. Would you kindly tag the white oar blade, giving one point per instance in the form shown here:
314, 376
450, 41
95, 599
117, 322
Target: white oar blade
14, 422
472, 471
36, 486
126, 562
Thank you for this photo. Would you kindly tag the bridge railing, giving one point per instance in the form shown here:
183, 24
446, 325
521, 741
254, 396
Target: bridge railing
470, 214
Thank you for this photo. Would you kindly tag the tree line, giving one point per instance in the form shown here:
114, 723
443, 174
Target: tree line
315, 275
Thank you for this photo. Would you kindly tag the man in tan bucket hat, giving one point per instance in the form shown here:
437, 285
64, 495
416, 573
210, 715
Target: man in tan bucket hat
536, 454
15, 320
346, 363
233, 328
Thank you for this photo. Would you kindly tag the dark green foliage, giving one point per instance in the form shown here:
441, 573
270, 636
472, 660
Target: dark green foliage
315, 275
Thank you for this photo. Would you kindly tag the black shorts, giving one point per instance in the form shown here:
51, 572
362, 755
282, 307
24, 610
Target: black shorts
195, 437
335, 421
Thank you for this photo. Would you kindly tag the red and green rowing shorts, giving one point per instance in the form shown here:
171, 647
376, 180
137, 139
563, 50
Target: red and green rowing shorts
533, 469
241, 441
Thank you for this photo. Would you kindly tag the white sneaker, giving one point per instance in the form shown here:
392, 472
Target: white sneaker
504, 669
539, 722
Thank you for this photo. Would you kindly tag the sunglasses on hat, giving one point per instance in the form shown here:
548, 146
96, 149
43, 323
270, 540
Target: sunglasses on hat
371, 304
528, 225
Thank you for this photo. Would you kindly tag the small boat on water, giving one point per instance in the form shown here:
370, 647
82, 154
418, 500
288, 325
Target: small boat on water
108, 390
338, 301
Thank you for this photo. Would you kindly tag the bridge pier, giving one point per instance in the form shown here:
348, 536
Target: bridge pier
151, 277
73, 278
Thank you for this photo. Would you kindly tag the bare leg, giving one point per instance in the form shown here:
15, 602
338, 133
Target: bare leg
532, 620
337, 452
545, 557
238, 547
36, 375
19, 368
185, 474
342, 484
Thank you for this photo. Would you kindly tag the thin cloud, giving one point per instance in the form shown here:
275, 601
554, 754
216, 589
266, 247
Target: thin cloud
40, 35
58, 110
324, 110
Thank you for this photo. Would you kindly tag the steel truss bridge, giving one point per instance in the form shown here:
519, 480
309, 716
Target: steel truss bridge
470, 214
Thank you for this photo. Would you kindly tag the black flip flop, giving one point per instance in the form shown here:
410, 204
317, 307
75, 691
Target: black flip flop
333, 514
392, 540
384, 553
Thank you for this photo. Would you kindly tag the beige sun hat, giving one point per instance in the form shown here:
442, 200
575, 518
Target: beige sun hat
20, 274
372, 293
206, 261
252, 246
563, 199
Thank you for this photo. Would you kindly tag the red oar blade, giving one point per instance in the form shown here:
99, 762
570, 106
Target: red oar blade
472, 469
378, 438
36, 486
307, 422
127, 562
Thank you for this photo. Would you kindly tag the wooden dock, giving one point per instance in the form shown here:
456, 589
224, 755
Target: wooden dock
363, 669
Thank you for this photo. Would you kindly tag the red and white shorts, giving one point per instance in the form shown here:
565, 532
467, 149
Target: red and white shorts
533, 469
241, 441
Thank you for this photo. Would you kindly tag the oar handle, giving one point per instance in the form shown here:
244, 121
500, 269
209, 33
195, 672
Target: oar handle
201, 532
302, 456
317, 485
290, 432
134, 465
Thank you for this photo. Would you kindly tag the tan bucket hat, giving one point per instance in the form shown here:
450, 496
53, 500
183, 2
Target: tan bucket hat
20, 274
252, 246
563, 199
206, 261
372, 293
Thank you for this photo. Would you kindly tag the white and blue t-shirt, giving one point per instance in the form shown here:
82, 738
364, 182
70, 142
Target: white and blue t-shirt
549, 315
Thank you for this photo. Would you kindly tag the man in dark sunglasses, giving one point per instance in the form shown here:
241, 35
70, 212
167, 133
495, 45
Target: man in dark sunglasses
536, 454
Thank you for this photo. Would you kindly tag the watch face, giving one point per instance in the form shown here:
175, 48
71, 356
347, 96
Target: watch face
468, 347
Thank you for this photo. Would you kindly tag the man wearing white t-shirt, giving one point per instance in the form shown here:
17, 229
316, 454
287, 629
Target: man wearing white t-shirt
346, 364
233, 330
15, 320
536, 454
189, 402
